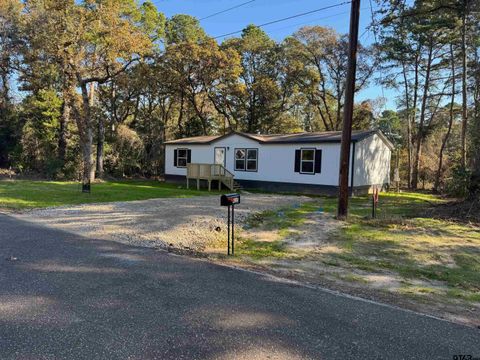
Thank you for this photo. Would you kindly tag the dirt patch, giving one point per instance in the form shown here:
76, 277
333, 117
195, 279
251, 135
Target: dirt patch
314, 234
462, 211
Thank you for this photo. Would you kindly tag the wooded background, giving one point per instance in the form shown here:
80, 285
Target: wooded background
95, 87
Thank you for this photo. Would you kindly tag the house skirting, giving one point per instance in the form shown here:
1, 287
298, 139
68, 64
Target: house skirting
287, 187
274, 186
307, 189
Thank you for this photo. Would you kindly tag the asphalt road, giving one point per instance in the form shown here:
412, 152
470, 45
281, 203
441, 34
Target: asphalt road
68, 297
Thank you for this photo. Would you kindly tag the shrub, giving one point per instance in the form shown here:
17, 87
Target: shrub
459, 183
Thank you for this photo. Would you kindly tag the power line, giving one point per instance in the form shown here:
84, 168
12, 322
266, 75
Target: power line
287, 18
364, 33
374, 30
374, 27
311, 21
227, 10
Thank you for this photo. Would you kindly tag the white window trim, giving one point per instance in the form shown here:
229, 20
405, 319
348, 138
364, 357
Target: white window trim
182, 157
236, 159
311, 161
245, 160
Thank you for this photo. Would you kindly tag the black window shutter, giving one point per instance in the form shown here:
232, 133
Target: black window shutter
318, 161
189, 156
298, 154
175, 156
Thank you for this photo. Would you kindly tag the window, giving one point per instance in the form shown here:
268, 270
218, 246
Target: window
182, 157
307, 161
246, 159
240, 159
252, 159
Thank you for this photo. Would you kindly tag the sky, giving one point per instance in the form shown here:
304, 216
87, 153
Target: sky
262, 11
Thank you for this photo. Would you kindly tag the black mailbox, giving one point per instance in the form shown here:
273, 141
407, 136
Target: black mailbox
230, 199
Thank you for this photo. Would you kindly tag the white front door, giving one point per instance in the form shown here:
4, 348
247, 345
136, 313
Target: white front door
220, 156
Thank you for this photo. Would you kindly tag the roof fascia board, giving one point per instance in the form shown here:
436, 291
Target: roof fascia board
247, 136
277, 142
387, 142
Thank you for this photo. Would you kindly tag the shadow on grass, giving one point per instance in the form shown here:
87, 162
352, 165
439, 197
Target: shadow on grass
403, 240
438, 254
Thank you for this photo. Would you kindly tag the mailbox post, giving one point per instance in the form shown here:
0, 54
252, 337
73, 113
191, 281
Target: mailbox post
230, 200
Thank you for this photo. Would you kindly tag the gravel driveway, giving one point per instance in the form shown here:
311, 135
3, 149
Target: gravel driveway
197, 223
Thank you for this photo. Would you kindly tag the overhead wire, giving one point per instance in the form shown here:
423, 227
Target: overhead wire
226, 10
374, 30
373, 25
313, 20
366, 31
287, 18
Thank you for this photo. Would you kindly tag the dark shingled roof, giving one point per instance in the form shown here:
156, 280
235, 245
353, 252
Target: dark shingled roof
297, 138
197, 140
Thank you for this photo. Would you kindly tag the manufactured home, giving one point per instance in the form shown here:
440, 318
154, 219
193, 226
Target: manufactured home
303, 162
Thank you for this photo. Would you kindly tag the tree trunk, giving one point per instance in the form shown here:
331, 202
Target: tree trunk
4, 89
88, 175
86, 137
421, 130
251, 114
414, 114
100, 147
162, 150
409, 125
339, 122
464, 88
181, 129
439, 177
70, 98
62, 136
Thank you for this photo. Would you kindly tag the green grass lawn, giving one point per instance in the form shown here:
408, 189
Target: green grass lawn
432, 257
24, 194
406, 241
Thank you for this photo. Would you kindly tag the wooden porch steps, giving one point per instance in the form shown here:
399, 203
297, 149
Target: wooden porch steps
237, 186
211, 172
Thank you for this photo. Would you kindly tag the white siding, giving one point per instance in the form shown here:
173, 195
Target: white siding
276, 162
372, 162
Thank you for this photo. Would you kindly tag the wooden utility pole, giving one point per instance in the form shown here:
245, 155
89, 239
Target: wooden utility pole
348, 111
